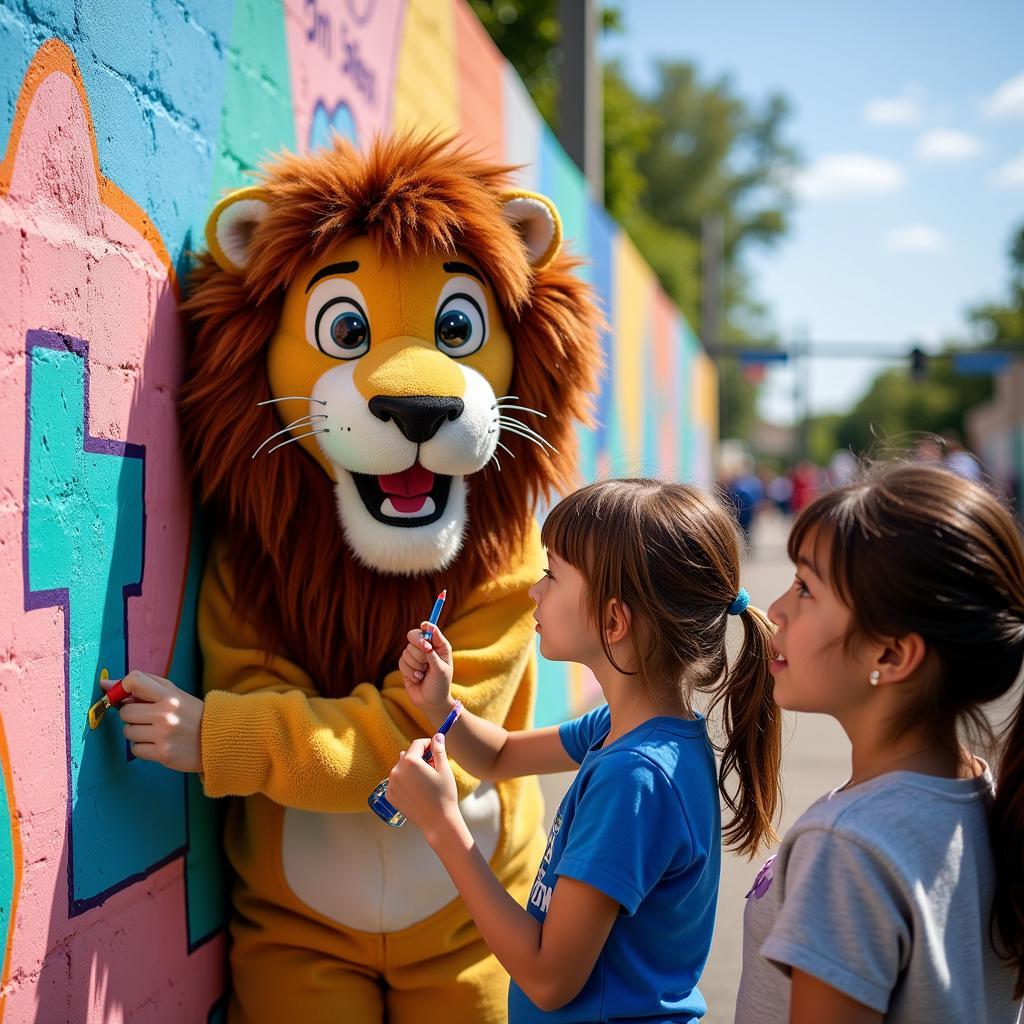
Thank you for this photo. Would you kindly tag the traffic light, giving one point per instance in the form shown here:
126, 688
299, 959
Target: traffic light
918, 364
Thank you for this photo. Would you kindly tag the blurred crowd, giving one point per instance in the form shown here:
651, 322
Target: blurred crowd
757, 488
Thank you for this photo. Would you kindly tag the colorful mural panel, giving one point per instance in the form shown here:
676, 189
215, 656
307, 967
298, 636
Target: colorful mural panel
95, 575
120, 124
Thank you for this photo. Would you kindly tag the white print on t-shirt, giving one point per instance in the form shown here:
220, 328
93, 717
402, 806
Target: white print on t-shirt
540, 894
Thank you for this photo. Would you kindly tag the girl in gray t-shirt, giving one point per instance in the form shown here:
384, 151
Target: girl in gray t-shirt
898, 897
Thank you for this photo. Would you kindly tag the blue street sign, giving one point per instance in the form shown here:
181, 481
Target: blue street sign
980, 364
753, 356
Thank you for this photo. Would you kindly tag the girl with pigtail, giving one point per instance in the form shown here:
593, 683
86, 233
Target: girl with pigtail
642, 578
899, 896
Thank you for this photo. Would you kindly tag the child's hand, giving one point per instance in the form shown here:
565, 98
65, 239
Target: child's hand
162, 723
425, 791
426, 668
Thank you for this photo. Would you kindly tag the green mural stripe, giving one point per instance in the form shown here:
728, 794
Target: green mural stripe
256, 118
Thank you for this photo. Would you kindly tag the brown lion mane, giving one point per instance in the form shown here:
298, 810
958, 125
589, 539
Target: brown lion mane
295, 578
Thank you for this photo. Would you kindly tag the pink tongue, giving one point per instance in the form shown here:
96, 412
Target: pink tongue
408, 505
409, 489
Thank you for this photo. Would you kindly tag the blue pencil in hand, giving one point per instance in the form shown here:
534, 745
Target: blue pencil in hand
435, 614
378, 799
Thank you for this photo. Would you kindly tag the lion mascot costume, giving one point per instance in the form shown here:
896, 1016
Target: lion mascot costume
389, 360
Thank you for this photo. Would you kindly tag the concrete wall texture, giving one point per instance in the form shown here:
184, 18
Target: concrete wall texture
121, 122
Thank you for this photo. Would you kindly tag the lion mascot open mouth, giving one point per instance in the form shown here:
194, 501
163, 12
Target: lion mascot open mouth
390, 358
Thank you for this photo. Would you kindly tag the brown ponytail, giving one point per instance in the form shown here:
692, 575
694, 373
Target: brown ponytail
671, 553
753, 731
1007, 826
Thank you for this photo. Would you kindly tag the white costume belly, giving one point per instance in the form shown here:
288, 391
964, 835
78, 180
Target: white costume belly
359, 872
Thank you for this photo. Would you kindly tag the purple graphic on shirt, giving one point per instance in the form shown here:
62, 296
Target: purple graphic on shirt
763, 881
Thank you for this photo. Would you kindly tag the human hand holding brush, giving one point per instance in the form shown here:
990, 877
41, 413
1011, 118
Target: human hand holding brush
162, 722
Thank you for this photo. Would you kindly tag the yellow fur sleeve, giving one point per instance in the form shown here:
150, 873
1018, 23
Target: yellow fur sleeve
266, 730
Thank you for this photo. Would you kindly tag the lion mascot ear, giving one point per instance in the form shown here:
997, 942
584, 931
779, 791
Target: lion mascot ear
535, 218
230, 227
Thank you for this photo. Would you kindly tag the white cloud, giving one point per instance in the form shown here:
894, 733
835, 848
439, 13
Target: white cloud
916, 238
1007, 100
845, 175
1011, 174
947, 144
902, 109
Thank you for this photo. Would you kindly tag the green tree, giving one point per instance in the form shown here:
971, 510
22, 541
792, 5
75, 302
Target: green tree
1003, 323
896, 408
529, 35
691, 148
629, 124
713, 154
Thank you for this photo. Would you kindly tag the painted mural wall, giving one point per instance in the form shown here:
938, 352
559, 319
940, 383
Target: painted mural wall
121, 122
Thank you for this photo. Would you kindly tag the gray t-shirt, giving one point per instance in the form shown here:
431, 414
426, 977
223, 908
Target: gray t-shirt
883, 891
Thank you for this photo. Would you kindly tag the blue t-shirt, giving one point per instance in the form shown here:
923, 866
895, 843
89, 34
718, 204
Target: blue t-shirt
641, 823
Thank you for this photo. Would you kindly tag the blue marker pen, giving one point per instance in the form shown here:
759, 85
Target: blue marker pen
435, 614
378, 800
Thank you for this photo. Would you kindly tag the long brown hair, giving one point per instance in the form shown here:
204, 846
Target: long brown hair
309, 598
917, 549
670, 553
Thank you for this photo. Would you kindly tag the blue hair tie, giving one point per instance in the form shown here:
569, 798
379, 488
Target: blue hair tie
739, 606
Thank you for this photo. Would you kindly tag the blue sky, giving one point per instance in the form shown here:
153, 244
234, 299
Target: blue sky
910, 120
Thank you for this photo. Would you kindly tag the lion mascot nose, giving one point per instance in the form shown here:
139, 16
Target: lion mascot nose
419, 417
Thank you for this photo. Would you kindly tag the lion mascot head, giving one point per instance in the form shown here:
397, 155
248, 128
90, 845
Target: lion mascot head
390, 341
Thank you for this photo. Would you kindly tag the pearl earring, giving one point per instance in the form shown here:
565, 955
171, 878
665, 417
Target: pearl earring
875, 677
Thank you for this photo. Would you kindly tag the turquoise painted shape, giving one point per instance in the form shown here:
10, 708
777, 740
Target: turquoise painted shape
85, 537
207, 888
8, 869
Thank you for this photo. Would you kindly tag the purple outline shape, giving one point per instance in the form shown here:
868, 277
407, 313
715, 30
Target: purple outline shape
59, 596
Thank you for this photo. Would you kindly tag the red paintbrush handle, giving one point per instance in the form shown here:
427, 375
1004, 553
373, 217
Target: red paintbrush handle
117, 693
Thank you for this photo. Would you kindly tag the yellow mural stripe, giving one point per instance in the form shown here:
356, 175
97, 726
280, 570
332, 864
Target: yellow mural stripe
634, 288
426, 81
705, 394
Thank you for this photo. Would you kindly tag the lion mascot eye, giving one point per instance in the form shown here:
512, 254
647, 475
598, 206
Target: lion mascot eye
342, 330
337, 322
460, 327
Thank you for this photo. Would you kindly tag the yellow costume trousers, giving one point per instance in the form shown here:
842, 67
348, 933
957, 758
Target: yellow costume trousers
290, 964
